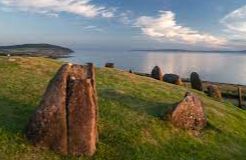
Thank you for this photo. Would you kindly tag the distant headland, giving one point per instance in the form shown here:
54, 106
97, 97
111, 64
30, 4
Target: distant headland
36, 50
184, 50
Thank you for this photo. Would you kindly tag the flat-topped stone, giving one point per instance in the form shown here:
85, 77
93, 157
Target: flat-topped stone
109, 65
173, 79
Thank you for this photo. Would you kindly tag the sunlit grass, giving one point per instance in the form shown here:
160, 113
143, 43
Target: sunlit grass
130, 125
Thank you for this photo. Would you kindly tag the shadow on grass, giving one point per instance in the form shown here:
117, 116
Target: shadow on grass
213, 127
14, 115
151, 107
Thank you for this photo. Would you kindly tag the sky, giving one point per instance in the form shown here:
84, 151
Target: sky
125, 24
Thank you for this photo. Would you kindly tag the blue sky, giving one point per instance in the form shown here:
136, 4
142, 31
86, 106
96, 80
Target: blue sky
125, 24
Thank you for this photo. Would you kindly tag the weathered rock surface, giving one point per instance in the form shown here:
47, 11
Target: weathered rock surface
156, 73
196, 82
109, 65
240, 97
189, 114
66, 119
214, 91
173, 79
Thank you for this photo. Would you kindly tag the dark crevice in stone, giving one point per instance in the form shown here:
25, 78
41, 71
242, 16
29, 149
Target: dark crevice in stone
68, 95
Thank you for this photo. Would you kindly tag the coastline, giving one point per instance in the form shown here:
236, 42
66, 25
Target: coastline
36, 50
228, 90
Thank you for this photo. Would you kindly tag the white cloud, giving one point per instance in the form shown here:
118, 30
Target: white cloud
53, 7
164, 27
235, 23
236, 20
124, 17
92, 28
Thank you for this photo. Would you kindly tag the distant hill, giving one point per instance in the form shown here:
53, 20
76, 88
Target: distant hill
36, 50
183, 50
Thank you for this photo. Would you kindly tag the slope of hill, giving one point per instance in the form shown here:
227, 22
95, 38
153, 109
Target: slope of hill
130, 110
36, 50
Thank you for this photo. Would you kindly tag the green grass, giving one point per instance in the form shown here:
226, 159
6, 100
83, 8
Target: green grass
130, 122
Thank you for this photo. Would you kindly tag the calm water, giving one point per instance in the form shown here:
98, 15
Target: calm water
218, 67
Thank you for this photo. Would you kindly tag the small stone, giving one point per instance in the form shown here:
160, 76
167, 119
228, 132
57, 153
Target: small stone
214, 91
189, 114
109, 65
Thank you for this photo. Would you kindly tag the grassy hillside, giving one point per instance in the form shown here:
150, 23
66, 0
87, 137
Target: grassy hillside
130, 125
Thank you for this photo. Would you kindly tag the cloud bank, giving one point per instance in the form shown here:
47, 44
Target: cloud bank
164, 27
83, 8
235, 23
236, 20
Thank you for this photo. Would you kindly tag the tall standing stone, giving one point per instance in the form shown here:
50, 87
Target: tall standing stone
196, 82
156, 73
65, 120
240, 98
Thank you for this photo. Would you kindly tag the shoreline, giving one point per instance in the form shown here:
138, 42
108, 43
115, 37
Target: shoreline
229, 91
186, 80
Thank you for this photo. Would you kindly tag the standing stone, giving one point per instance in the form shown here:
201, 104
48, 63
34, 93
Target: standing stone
196, 82
66, 119
240, 98
214, 91
156, 73
173, 79
189, 113
109, 65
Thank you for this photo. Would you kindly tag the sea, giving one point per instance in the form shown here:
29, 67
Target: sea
229, 67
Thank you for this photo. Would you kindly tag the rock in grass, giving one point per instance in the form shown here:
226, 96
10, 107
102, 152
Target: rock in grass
156, 73
214, 91
173, 79
189, 114
65, 120
109, 65
196, 82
